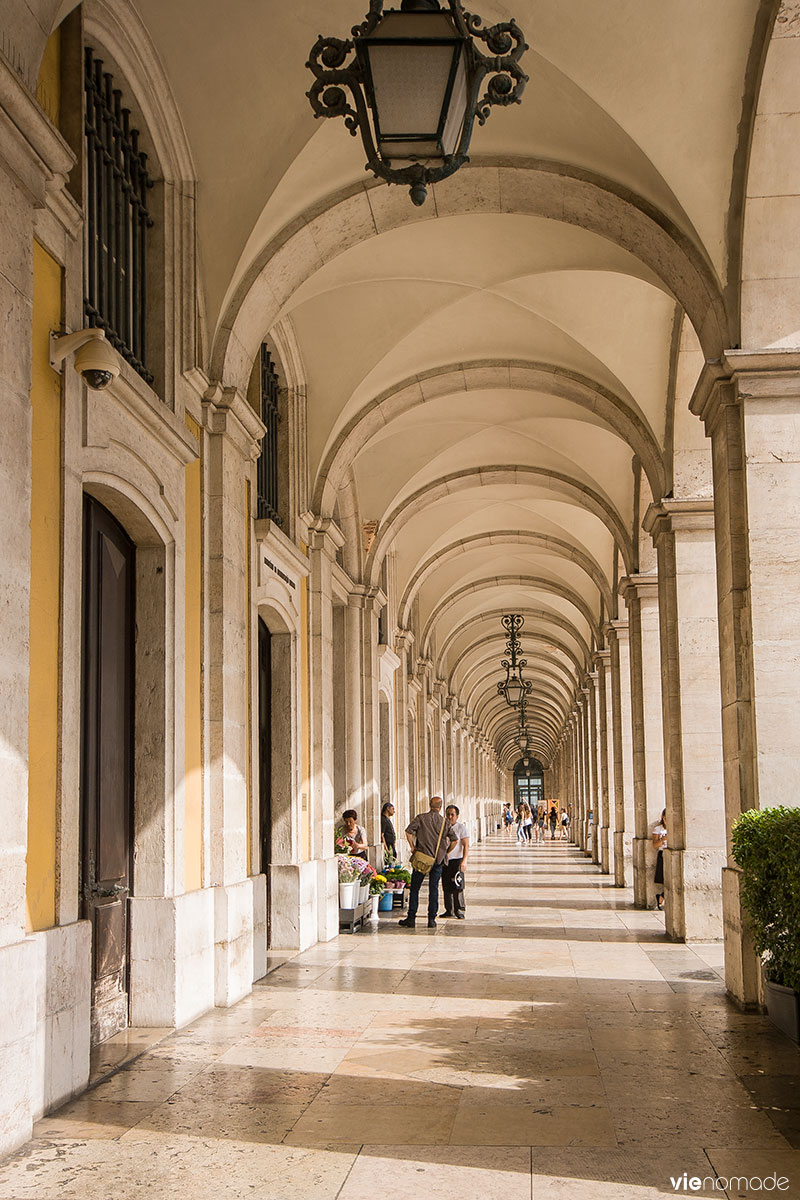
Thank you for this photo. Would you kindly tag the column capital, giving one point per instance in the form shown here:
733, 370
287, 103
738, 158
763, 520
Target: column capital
745, 375
403, 640
422, 667
364, 597
324, 534
601, 656
226, 412
616, 629
641, 587
679, 516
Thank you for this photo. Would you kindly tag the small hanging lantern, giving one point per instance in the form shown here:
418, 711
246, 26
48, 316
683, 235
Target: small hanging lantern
415, 83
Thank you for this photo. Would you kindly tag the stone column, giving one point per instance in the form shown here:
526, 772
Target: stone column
608, 758
597, 736
623, 752
683, 532
232, 447
368, 602
750, 404
423, 669
640, 593
404, 641
325, 538
353, 714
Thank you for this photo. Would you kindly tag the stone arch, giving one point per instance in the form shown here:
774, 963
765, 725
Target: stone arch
497, 644
770, 276
449, 485
478, 585
620, 414
502, 536
480, 621
535, 187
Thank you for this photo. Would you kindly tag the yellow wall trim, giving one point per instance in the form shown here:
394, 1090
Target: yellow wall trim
45, 603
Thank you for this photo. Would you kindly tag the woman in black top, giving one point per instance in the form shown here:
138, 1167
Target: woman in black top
553, 822
388, 836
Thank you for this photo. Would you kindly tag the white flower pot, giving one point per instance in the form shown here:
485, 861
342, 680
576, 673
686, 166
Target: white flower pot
348, 894
364, 893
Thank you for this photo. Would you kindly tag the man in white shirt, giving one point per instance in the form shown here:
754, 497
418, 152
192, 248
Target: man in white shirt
456, 862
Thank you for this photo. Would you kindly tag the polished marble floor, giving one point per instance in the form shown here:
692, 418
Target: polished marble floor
553, 1046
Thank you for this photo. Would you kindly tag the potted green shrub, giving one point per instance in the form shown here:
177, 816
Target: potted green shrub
766, 845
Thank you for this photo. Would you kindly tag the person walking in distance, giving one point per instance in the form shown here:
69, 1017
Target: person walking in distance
431, 835
508, 817
553, 820
540, 823
527, 823
453, 871
660, 843
564, 825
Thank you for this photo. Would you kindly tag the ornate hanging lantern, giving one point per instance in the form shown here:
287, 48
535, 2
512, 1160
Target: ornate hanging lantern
514, 688
414, 83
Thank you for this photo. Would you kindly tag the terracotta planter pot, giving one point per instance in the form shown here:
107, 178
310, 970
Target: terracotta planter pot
783, 1006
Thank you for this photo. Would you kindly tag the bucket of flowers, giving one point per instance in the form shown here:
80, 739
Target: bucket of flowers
368, 873
397, 876
350, 871
377, 891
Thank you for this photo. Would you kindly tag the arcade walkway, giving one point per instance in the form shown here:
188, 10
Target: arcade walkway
553, 1046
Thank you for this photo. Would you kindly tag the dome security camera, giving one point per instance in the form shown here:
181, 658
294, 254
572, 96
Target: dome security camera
96, 361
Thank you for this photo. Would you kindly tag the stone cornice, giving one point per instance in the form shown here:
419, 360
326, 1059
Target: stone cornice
133, 394
643, 587
742, 375
678, 516
267, 532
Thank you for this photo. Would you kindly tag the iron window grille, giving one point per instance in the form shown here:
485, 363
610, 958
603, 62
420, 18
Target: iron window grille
267, 475
117, 220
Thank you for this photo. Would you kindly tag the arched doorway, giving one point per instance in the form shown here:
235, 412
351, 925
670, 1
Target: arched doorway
529, 783
107, 755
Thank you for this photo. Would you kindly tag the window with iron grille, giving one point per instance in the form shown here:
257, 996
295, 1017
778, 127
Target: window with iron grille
268, 461
117, 220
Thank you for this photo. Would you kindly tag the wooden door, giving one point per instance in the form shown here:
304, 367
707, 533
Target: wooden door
109, 561
265, 751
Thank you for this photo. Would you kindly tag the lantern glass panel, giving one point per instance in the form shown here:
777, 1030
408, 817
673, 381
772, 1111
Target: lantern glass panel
513, 691
416, 83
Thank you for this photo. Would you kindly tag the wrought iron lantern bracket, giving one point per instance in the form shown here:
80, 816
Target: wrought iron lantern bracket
335, 65
512, 623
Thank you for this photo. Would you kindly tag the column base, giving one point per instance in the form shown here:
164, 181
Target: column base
172, 958
233, 942
623, 859
605, 849
693, 894
644, 889
44, 1026
304, 904
742, 970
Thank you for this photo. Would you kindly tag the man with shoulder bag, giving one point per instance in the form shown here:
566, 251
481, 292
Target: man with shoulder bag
430, 838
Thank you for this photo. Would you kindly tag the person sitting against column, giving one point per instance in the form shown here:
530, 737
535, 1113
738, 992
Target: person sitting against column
454, 866
660, 844
429, 833
353, 834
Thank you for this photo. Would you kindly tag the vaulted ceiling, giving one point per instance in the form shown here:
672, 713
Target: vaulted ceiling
491, 374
